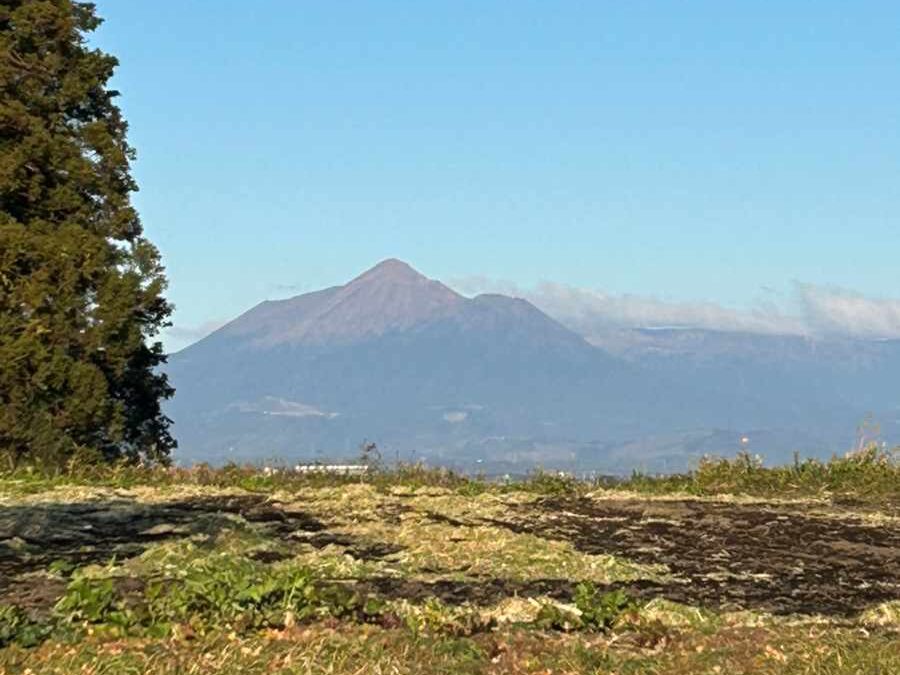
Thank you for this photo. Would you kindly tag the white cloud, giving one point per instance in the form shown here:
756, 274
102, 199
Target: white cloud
840, 311
808, 310
599, 309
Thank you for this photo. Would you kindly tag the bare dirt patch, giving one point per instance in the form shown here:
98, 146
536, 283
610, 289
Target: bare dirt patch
782, 559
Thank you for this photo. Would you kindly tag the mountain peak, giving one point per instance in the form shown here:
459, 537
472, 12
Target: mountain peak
391, 270
389, 297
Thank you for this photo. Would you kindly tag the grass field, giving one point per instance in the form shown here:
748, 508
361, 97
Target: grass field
731, 569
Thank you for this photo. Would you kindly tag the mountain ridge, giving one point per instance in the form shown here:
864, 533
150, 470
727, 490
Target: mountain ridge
391, 296
403, 360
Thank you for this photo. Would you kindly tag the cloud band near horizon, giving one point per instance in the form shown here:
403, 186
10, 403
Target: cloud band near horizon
808, 309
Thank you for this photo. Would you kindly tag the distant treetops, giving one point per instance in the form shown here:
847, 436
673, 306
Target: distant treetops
80, 287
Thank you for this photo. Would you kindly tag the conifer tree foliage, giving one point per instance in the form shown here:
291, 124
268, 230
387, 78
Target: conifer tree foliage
81, 289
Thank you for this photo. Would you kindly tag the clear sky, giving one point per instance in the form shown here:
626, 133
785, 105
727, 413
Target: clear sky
691, 151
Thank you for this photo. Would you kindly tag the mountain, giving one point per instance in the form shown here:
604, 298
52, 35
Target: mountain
397, 358
489, 381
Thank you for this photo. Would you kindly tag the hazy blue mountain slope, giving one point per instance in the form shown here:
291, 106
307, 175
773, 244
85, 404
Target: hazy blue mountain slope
405, 361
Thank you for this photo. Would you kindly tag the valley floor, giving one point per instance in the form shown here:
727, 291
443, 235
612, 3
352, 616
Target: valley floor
355, 577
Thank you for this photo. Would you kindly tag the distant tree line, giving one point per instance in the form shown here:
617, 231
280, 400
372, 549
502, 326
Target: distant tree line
81, 289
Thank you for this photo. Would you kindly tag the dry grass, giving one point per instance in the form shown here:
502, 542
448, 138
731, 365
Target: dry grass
357, 650
445, 529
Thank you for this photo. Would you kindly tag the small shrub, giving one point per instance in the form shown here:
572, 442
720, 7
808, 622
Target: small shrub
591, 610
552, 484
601, 611
16, 627
90, 600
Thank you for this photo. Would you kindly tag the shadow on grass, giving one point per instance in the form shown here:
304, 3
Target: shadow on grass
73, 534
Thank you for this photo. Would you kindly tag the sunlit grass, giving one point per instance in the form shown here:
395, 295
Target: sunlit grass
207, 599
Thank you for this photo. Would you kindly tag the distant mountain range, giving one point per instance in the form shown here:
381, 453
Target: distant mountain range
491, 382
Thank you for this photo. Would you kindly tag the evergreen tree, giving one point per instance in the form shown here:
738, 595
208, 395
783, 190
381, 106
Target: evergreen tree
80, 287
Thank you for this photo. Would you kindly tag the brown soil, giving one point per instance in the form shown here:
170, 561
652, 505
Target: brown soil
775, 558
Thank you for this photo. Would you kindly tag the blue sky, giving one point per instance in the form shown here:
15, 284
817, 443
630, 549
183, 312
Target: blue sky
683, 151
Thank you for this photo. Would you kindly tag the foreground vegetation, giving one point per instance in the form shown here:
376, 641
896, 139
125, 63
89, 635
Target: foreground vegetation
365, 649
734, 568
868, 476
